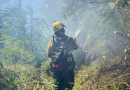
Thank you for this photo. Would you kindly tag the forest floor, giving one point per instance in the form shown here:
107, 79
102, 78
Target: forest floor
101, 74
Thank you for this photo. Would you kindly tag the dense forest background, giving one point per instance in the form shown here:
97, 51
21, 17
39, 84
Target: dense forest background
102, 31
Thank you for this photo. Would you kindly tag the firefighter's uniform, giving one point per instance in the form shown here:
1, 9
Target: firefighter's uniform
63, 79
70, 45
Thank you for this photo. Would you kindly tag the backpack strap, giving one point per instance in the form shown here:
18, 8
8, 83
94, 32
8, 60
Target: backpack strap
53, 44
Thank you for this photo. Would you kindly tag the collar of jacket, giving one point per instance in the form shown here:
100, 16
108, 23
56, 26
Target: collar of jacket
60, 38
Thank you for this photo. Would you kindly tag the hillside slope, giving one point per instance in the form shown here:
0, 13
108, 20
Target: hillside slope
103, 74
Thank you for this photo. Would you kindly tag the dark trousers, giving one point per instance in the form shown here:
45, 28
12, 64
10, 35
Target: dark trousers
64, 80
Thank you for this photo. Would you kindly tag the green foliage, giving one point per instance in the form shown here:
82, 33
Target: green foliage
7, 79
99, 25
24, 39
1, 64
101, 75
116, 2
27, 75
16, 55
24, 43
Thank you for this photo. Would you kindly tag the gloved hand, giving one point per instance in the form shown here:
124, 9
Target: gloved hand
74, 38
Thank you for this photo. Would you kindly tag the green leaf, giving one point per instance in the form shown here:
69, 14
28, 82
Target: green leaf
116, 2
95, 77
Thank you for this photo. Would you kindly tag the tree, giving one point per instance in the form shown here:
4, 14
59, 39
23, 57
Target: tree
97, 22
23, 36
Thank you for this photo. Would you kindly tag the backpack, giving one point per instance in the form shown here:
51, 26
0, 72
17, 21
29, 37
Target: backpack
60, 59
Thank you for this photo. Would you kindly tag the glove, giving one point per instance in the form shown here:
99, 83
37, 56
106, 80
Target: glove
74, 38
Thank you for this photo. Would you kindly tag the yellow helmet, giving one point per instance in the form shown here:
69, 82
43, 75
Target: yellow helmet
56, 26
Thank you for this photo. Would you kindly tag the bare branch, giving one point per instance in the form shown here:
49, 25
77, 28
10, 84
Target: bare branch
127, 51
126, 36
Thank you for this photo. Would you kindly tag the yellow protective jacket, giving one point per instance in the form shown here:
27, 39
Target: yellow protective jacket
70, 45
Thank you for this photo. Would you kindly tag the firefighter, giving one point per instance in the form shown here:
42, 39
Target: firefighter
60, 50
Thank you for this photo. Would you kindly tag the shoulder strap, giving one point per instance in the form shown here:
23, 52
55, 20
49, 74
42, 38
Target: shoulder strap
53, 44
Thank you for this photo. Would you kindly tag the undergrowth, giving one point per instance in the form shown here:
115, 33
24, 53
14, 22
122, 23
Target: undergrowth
102, 74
